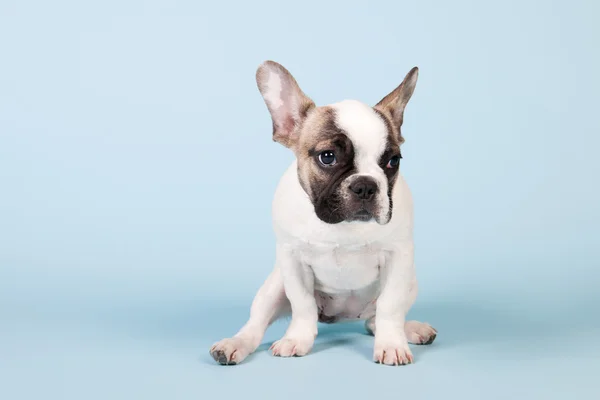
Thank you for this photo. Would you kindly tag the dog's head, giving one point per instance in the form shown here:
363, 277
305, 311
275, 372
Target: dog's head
348, 153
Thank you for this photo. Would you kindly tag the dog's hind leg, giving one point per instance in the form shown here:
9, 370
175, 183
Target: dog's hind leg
270, 303
416, 332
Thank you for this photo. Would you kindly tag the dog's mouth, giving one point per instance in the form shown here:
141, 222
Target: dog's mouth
362, 215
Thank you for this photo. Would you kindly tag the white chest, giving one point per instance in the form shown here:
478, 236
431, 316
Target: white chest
340, 269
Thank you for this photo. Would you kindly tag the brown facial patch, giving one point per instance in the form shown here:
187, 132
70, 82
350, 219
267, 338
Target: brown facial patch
392, 148
321, 182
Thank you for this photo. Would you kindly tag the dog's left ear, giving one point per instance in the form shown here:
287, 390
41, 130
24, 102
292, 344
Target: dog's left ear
285, 100
394, 103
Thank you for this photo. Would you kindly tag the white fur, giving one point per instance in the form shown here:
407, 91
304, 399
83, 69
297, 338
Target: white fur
281, 95
273, 90
354, 270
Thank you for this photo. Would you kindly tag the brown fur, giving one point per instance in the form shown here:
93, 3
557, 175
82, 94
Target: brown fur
392, 106
320, 133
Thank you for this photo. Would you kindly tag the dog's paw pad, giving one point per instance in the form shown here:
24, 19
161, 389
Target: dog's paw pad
230, 351
291, 347
221, 357
420, 333
430, 340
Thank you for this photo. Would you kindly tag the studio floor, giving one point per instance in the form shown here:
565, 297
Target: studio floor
482, 352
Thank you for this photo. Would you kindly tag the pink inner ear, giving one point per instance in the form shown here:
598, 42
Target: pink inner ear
286, 102
288, 125
285, 113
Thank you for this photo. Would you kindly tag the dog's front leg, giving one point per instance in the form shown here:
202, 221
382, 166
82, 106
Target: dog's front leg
298, 281
269, 304
397, 276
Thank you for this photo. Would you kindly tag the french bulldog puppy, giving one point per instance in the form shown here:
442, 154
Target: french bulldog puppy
343, 219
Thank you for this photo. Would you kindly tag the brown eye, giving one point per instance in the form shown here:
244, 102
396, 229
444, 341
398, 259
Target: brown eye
394, 162
327, 158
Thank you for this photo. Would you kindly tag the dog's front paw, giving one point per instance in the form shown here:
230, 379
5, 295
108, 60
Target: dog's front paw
289, 347
230, 351
392, 352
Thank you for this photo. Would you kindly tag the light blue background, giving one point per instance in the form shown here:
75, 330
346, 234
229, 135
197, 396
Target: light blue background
137, 171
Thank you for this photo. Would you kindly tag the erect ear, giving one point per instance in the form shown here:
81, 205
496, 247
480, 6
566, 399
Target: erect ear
394, 103
287, 104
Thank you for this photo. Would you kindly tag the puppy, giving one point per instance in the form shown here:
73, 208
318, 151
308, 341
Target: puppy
343, 218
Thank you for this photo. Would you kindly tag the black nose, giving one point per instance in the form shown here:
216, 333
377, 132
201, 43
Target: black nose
364, 188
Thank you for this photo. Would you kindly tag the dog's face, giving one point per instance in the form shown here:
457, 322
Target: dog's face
348, 153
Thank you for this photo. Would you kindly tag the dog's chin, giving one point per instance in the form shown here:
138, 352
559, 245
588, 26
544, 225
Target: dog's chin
361, 216
361, 213
367, 216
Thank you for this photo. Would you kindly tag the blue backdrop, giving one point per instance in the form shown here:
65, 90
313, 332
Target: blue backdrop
137, 172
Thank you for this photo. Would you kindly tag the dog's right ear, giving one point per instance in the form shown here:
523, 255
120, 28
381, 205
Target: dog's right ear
286, 102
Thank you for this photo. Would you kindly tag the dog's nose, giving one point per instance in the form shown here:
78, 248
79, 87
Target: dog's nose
364, 188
